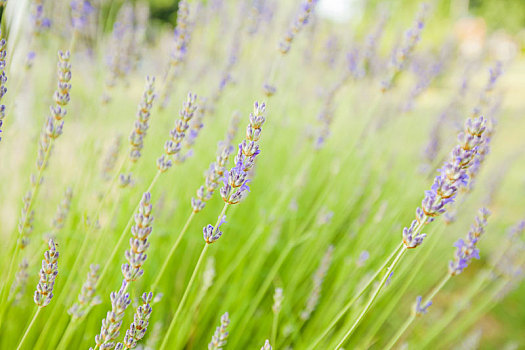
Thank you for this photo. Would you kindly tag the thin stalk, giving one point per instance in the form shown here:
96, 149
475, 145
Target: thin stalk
17, 248
28, 328
412, 317
184, 297
368, 306
68, 333
353, 300
275, 323
171, 253
191, 281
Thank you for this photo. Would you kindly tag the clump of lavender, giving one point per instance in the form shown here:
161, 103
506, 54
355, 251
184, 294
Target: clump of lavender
136, 138
48, 274
38, 20
3, 80
80, 12
452, 175
317, 279
110, 329
467, 249
372, 42
177, 134
299, 22
139, 244
110, 160
86, 298
236, 180
63, 210
220, 337
402, 54
137, 329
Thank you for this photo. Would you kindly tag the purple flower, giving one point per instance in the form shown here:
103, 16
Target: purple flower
421, 309
466, 249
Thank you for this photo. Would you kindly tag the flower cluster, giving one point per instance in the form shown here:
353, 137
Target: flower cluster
196, 126
63, 210
80, 12
278, 298
86, 298
38, 20
3, 79
215, 172
19, 286
219, 338
318, 279
110, 329
300, 21
266, 345
139, 244
177, 134
48, 273
213, 177
236, 180
182, 34
110, 159
122, 46
137, 329
55, 122
136, 139
403, 53
466, 249
419, 309
452, 176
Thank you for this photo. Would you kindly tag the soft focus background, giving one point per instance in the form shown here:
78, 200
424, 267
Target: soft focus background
355, 191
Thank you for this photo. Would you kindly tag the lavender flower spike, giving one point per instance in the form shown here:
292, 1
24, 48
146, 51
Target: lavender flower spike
48, 274
136, 139
236, 180
3, 80
452, 176
402, 55
467, 249
299, 22
110, 329
177, 134
136, 255
220, 336
266, 345
86, 298
137, 329
80, 12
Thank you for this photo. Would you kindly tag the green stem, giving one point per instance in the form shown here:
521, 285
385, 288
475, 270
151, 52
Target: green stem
184, 297
275, 323
354, 299
368, 306
17, 248
171, 253
68, 333
28, 328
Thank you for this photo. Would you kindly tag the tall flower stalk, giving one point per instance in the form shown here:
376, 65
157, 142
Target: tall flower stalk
235, 188
466, 250
453, 175
51, 131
